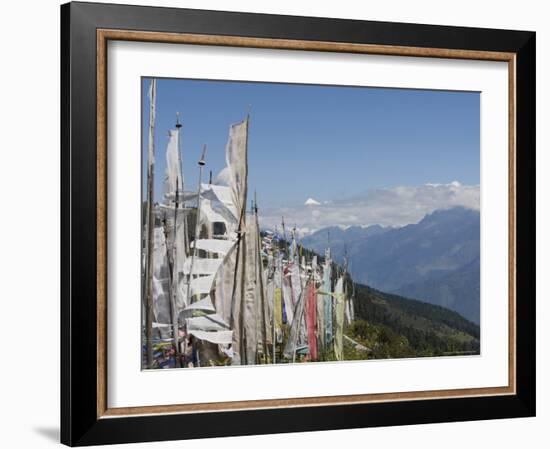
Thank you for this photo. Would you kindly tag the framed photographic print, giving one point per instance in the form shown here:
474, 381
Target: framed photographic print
279, 224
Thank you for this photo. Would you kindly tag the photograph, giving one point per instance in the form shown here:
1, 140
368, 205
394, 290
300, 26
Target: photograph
298, 223
286, 221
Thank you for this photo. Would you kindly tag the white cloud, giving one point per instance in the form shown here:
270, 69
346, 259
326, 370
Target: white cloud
397, 206
312, 202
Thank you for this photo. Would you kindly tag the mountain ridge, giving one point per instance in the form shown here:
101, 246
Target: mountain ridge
433, 260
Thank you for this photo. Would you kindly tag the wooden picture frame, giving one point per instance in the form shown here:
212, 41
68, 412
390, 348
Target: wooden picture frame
85, 416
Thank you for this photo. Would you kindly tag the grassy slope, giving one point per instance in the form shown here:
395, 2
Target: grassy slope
393, 326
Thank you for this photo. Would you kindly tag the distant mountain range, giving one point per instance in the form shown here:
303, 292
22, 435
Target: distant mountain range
435, 260
340, 238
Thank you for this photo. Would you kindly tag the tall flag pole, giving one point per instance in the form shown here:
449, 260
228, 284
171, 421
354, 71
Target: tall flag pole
237, 159
182, 199
150, 221
259, 268
243, 344
175, 272
172, 273
201, 164
175, 281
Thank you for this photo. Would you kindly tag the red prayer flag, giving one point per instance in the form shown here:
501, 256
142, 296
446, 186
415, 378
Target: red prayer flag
311, 320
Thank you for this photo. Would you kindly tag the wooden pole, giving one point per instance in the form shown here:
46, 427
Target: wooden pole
197, 223
259, 267
281, 276
150, 224
295, 342
243, 242
185, 227
239, 243
174, 280
302, 310
171, 271
274, 308
180, 159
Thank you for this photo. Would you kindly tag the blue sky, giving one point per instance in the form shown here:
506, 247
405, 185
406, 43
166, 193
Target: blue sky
324, 142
